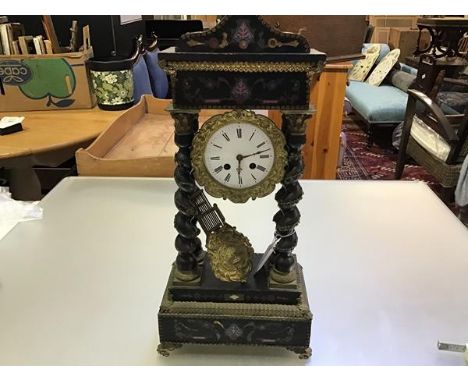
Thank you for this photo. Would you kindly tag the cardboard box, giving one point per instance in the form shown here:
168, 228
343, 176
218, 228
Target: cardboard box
46, 82
406, 39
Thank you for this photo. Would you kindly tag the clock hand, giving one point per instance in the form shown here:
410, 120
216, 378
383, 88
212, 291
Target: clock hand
239, 168
246, 156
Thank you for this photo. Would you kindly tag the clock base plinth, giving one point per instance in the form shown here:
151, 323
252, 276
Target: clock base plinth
235, 323
283, 280
256, 289
181, 278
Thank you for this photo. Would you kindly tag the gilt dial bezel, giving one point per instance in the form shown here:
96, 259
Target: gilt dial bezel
216, 189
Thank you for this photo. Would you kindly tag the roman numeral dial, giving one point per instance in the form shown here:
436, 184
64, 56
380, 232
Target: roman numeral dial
238, 155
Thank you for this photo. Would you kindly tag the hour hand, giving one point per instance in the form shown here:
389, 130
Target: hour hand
239, 159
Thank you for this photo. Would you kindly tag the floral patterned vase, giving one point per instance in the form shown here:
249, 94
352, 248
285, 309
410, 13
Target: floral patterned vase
112, 83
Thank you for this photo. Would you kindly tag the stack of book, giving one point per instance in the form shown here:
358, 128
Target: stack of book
9, 34
14, 41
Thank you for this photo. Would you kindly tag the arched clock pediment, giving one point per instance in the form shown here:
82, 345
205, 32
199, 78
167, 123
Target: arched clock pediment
243, 34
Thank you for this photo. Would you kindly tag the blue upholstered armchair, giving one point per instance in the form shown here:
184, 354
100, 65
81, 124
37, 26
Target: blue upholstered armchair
384, 105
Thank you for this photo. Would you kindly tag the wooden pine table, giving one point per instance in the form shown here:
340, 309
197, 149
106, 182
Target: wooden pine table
49, 138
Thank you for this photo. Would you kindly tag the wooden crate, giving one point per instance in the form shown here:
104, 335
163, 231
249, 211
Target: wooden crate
140, 142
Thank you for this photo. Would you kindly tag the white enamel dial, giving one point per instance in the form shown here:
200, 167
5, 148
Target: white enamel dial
239, 155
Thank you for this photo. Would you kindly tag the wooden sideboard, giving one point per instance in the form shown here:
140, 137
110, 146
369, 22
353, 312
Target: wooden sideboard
322, 146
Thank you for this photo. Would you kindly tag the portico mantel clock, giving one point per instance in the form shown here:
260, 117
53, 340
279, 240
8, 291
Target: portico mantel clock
227, 293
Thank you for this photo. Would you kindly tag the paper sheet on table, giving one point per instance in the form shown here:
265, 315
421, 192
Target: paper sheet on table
5, 227
14, 211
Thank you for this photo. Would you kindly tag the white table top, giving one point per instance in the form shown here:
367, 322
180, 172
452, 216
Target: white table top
385, 266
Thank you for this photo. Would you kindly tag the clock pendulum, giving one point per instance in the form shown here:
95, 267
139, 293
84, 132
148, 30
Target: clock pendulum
229, 251
227, 293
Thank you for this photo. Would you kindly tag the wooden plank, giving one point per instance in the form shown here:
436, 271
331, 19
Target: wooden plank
15, 47
23, 43
37, 44
86, 38
74, 35
323, 136
48, 47
50, 33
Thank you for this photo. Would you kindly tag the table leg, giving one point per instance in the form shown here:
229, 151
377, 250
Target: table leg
24, 183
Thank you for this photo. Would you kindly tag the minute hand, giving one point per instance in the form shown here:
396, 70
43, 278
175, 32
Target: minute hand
258, 152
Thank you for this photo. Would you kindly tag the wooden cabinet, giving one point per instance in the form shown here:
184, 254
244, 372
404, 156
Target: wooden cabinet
406, 39
335, 35
393, 21
382, 25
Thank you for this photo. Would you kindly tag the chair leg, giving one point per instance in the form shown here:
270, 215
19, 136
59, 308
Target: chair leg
405, 135
400, 165
370, 136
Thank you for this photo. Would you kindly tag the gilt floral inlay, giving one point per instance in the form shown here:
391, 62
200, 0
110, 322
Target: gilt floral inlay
243, 34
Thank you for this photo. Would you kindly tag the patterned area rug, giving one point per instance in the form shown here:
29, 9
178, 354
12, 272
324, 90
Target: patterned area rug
376, 163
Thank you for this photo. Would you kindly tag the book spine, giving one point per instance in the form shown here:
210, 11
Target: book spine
9, 30
37, 45
4, 38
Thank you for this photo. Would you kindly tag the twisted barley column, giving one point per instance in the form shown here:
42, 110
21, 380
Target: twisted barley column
294, 125
187, 243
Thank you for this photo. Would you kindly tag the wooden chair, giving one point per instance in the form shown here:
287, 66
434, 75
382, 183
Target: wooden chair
443, 157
